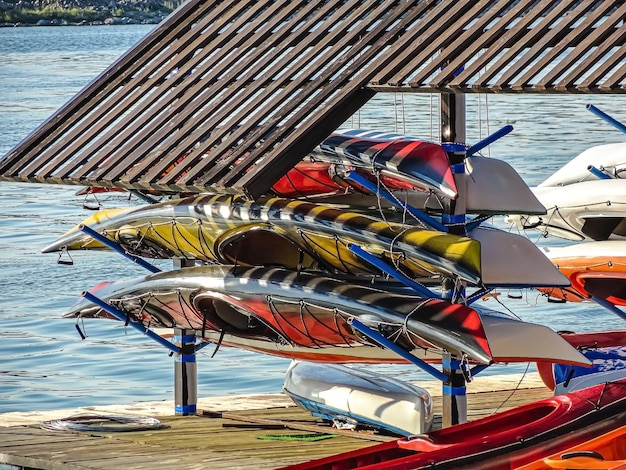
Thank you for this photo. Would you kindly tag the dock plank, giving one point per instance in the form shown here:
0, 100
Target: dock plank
219, 440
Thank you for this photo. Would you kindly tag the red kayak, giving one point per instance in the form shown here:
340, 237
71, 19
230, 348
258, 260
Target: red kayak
421, 163
505, 440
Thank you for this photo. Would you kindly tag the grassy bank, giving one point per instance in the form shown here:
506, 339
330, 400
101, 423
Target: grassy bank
70, 15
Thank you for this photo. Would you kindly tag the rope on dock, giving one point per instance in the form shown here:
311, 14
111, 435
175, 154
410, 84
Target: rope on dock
102, 423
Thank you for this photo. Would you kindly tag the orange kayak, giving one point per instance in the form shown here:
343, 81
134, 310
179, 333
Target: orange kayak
595, 269
607, 451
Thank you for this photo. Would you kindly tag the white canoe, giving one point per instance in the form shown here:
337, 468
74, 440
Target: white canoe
610, 157
331, 391
587, 210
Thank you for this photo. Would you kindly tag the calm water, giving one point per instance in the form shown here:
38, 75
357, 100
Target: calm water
43, 362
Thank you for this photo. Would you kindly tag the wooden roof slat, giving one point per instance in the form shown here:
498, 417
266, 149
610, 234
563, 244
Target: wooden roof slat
454, 43
227, 114
613, 82
511, 34
480, 33
78, 107
594, 59
358, 53
260, 83
591, 36
536, 40
188, 97
574, 34
419, 34
137, 101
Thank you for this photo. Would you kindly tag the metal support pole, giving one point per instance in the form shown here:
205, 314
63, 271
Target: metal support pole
117, 247
454, 392
598, 173
133, 324
185, 373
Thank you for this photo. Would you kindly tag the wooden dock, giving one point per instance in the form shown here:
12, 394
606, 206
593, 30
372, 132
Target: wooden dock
261, 432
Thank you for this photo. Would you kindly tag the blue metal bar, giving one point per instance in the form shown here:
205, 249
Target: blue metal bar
384, 267
417, 213
122, 317
380, 339
201, 345
599, 173
490, 139
477, 295
478, 368
116, 247
476, 221
602, 115
610, 306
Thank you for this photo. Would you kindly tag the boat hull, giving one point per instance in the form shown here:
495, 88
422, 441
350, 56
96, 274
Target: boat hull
582, 341
606, 452
287, 312
373, 400
595, 270
294, 234
505, 440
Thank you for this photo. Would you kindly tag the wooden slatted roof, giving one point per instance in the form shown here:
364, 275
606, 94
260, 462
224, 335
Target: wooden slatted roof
229, 95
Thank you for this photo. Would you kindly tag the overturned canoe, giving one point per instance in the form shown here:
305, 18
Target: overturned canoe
279, 310
332, 391
293, 234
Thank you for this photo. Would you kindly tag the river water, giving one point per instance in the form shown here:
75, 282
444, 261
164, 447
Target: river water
44, 364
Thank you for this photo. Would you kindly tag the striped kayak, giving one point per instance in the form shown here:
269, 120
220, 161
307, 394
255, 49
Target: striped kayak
286, 309
421, 163
294, 234
606, 452
502, 441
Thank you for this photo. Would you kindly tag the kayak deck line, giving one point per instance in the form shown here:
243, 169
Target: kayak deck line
227, 432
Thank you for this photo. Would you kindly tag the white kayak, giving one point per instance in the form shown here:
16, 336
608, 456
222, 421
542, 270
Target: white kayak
611, 158
335, 392
587, 210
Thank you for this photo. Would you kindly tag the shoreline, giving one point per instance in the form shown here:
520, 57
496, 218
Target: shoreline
111, 21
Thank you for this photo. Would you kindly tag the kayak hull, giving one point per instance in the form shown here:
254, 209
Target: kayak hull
506, 440
332, 391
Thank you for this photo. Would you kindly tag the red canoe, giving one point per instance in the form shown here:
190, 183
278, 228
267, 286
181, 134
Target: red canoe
505, 440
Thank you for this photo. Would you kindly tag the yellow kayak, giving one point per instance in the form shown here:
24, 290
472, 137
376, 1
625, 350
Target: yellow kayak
293, 234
